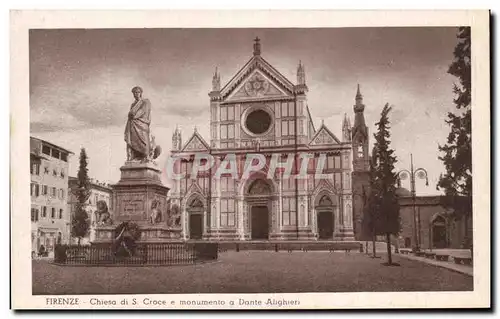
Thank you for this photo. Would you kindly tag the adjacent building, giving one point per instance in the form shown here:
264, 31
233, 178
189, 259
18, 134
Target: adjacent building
98, 191
50, 219
261, 111
430, 224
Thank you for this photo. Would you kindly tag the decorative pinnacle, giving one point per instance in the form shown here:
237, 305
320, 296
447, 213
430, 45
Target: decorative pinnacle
216, 80
358, 94
346, 121
256, 46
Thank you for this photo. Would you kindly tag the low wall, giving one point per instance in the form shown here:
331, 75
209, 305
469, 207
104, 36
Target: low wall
292, 246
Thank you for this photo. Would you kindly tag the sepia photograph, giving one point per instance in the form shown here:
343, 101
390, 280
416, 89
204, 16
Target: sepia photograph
236, 167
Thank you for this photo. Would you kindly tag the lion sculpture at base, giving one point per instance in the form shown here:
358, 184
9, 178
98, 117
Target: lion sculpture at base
103, 216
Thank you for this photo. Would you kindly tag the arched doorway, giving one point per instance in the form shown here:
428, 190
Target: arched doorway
324, 211
195, 210
258, 200
439, 239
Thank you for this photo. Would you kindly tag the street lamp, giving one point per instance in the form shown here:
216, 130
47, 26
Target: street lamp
412, 173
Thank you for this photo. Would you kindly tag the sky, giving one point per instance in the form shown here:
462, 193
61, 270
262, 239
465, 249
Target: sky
81, 81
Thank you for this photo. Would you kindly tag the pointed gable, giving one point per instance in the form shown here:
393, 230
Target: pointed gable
256, 85
257, 79
196, 143
194, 188
324, 136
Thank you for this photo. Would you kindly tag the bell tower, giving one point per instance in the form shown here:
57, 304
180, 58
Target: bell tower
361, 166
360, 157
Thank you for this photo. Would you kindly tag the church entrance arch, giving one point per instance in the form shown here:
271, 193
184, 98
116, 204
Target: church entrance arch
258, 198
195, 210
325, 216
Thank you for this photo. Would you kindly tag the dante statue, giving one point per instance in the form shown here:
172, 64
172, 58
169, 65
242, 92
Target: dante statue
140, 143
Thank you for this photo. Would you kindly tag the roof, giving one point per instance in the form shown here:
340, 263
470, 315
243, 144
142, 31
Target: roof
51, 144
310, 117
195, 135
103, 186
323, 127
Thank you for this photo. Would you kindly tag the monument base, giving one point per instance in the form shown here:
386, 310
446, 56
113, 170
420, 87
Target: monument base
141, 198
149, 234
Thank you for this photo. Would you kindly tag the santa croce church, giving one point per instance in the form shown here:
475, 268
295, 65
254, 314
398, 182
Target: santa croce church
259, 111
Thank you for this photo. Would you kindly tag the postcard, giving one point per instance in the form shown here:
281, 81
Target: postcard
250, 159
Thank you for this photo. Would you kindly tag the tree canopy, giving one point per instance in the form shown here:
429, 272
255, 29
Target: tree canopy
456, 154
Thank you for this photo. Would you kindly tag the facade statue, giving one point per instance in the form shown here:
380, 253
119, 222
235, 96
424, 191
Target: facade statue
155, 217
103, 217
140, 142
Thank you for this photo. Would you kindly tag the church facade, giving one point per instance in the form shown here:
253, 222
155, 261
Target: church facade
259, 111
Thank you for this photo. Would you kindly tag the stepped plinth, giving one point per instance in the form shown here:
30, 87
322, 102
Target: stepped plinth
141, 198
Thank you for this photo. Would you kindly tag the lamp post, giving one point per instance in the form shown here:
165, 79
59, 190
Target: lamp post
412, 173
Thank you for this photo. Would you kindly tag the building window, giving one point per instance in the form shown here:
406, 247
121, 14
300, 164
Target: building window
226, 184
287, 127
35, 169
227, 113
55, 153
330, 162
34, 215
60, 213
46, 150
226, 131
337, 162
44, 190
54, 172
64, 157
62, 173
53, 193
227, 212
61, 194
360, 151
289, 211
32, 189
53, 213
46, 169
44, 211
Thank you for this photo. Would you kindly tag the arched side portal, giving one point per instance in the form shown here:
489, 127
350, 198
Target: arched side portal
195, 209
325, 207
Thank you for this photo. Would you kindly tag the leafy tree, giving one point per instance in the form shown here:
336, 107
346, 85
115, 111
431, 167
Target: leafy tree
456, 153
385, 199
80, 222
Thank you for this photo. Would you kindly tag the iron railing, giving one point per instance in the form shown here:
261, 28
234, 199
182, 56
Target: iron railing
141, 254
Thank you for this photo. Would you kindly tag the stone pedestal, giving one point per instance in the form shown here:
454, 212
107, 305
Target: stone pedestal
134, 199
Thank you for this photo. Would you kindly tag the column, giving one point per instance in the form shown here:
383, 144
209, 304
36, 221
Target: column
240, 217
184, 223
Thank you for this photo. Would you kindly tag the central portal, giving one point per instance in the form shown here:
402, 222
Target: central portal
260, 222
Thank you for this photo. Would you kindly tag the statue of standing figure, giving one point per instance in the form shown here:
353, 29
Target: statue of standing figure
140, 143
